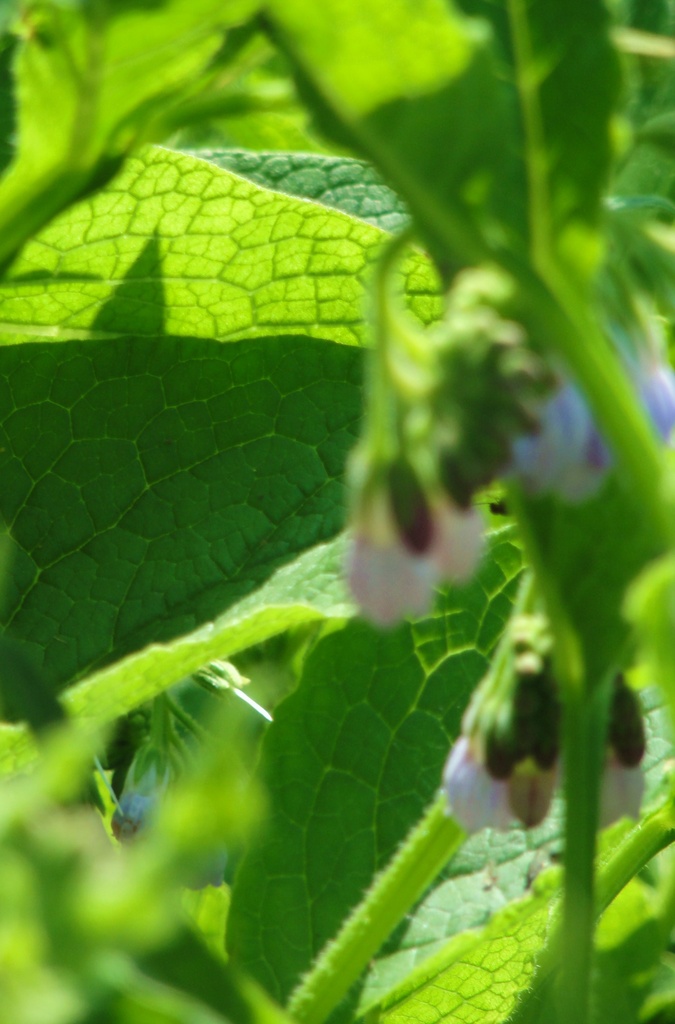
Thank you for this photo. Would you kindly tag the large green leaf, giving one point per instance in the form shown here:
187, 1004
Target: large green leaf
352, 758
185, 247
149, 485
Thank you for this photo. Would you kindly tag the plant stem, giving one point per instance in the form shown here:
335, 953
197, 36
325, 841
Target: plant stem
424, 853
585, 718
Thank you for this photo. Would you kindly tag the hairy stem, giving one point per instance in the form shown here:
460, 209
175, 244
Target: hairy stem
426, 850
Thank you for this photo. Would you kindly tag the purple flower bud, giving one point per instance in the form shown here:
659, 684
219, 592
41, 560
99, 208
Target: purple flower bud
567, 455
476, 799
131, 815
621, 791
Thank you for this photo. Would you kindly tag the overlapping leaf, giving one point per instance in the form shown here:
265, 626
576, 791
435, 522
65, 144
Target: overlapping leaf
340, 182
352, 758
185, 247
426, 106
107, 69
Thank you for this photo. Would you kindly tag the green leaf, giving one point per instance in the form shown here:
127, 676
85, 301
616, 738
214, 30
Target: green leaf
309, 588
485, 980
108, 68
336, 181
353, 757
426, 105
566, 74
581, 548
149, 486
233, 260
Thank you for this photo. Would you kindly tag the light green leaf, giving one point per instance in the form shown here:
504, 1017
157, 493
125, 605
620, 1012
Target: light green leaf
486, 980
149, 486
108, 68
428, 107
232, 260
353, 757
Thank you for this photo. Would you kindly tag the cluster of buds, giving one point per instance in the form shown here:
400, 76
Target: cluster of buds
405, 542
443, 407
504, 765
455, 407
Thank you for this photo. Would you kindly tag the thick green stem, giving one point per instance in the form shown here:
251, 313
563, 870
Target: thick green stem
585, 716
425, 852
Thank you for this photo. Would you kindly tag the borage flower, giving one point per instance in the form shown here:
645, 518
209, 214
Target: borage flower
402, 549
139, 800
567, 455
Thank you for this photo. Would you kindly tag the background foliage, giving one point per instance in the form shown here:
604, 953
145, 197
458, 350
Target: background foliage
193, 199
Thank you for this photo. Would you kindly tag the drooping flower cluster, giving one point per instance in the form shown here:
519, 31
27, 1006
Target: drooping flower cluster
450, 410
504, 765
443, 407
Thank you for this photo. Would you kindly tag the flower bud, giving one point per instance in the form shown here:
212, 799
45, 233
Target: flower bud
621, 791
626, 730
144, 787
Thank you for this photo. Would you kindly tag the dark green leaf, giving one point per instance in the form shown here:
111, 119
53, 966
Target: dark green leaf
339, 182
150, 485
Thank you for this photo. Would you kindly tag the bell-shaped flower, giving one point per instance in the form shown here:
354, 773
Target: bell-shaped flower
656, 388
621, 791
403, 546
475, 798
567, 454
